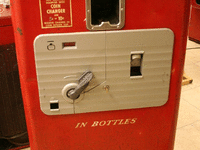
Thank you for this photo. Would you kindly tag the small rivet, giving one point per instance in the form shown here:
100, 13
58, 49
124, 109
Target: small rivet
106, 87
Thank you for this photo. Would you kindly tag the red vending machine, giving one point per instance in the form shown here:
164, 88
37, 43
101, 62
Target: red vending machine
194, 26
101, 74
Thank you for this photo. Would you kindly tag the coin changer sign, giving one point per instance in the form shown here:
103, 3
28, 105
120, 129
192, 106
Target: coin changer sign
55, 13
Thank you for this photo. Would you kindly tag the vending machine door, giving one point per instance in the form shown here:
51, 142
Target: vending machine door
101, 74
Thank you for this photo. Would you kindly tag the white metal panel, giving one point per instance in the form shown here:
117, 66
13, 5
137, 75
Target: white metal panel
125, 92
153, 88
107, 55
61, 66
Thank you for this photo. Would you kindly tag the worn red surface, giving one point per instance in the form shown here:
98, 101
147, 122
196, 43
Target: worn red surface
6, 29
154, 128
195, 4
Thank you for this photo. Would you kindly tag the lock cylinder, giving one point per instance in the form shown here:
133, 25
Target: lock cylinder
73, 91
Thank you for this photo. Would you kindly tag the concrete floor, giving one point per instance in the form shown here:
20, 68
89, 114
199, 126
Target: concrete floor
188, 128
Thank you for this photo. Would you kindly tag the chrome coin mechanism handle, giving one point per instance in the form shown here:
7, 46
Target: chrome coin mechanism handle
83, 82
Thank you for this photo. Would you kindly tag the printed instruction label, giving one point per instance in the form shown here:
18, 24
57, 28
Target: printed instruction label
55, 13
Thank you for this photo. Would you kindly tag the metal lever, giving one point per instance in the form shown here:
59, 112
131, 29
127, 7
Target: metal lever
82, 85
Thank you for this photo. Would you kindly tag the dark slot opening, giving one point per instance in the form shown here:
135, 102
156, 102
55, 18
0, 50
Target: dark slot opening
198, 2
104, 11
54, 106
135, 71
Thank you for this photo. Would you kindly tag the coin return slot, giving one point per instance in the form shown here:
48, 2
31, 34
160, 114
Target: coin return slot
54, 105
136, 65
67, 45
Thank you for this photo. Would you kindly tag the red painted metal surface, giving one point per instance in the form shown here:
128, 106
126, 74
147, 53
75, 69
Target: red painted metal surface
6, 27
195, 3
154, 128
194, 26
7, 36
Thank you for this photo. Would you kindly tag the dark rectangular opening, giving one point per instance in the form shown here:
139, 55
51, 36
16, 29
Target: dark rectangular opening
198, 1
54, 106
104, 11
136, 64
136, 71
